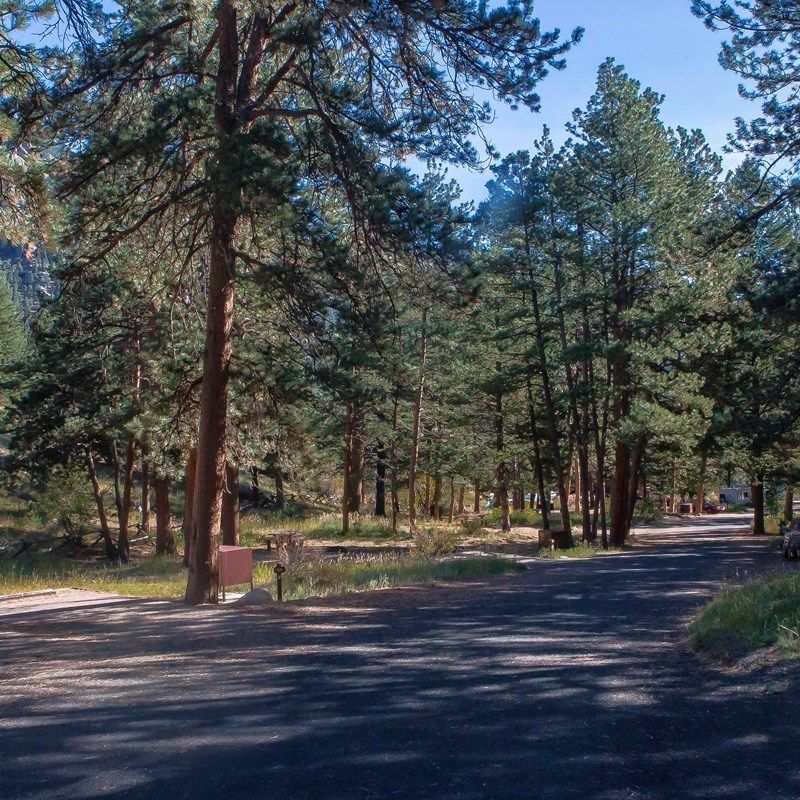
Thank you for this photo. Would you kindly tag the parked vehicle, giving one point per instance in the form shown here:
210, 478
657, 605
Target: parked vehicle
710, 508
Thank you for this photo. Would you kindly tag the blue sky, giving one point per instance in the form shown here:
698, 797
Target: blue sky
659, 42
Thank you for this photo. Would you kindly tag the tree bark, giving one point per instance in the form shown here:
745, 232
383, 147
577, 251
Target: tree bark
123, 543
356, 490
145, 495
415, 431
254, 486
461, 494
188, 502
231, 522
788, 504
476, 501
393, 459
348, 468
111, 549
380, 481
165, 541
701, 485
501, 483
435, 510
757, 491
225, 208
451, 509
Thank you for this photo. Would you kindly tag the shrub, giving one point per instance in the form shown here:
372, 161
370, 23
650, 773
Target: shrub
649, 511
66, 499
436, 540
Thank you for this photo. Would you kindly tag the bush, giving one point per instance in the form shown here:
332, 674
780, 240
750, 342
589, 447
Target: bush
66, 499
649, 511
436, 540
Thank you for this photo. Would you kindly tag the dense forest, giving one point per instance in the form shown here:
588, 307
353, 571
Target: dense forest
222, 271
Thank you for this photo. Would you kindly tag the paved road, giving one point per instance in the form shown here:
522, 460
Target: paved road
566, 681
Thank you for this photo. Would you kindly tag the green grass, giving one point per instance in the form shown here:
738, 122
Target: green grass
762, 613
166, 578
365, 574
581, 550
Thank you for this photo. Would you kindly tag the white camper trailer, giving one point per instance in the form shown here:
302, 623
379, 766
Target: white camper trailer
735, 495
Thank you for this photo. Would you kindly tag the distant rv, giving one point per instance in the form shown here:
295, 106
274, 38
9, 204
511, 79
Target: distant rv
735, 495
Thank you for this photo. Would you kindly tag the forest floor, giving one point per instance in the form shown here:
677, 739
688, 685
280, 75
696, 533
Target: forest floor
570, 679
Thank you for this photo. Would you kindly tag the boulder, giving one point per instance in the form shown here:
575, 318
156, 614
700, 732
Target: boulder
255, 597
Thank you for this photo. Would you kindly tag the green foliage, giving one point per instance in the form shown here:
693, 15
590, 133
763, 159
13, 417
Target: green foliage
649, 511
66, 499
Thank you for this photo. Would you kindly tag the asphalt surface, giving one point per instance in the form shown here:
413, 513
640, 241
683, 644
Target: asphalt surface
569, 680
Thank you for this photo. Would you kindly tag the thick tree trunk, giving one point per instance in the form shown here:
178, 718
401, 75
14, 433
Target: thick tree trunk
254, 486
451, 509
165, 541
356, 490
347, 484
234, 92
435, 509
123, 543
619, 494
415, 429
380, 481
231, 522
188, 502
701, 485
636, 466
111, 549
476, 500
426, 505
393, 460
117, 486
145, 495
788, 504
757, 491
461, 494
501, 476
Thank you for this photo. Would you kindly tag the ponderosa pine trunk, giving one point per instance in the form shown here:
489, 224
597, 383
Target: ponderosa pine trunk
356, 490
165, 541
757, 492
435, 510
461, 495
347, 469
476, 501
788, 504
416, 425
123, 543
108, 543
701, 485
188, 502
451, 509
203, 581
145, 495
501, 476
395, 501
231, 521
380, 481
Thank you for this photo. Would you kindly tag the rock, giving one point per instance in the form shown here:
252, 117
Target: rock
255, 597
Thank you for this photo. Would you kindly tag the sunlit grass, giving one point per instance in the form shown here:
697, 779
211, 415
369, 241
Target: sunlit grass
166, 578
761, 613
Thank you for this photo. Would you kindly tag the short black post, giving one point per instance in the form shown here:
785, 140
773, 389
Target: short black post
279, 570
